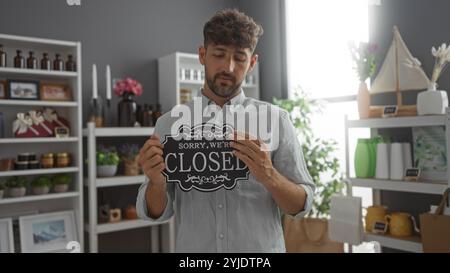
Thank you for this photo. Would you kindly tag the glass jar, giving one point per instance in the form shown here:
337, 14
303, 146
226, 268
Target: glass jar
31, 61
47, 161
58, 63
45, 62
62, 160
2, 57
19, 61
71, 64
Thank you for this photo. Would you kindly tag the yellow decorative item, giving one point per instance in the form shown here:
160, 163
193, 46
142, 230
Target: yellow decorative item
401, 224
374, 214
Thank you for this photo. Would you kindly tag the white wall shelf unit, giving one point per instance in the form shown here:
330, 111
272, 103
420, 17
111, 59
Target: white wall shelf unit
10, 147
413, 243
94, 183
171, 81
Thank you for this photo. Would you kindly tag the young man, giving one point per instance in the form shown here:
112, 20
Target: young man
247, 217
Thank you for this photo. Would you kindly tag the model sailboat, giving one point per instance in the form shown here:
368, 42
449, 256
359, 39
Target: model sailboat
395, 76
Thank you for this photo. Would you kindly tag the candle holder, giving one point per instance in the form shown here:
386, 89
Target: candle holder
97, 112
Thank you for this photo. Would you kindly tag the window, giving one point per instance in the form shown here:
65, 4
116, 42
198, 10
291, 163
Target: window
318, 33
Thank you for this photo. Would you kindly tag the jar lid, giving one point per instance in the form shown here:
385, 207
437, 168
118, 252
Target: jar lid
47, 155
62, 154
24, 154
34, 162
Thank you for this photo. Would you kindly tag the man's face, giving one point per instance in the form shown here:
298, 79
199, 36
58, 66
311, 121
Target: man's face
226, 67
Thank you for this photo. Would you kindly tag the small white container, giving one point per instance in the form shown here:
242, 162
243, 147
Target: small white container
382, 167
397, 168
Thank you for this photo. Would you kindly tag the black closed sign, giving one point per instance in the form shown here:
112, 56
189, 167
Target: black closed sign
201, 157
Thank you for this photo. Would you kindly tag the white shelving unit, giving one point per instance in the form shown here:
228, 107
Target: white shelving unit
10, 147
171, 80
413, 243
93, 184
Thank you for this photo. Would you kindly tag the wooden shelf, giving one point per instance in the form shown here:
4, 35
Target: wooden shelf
37, 140
396, 122
44, 197
12, 71
411, 244
121, 131
38, 103
39, 171
403, 186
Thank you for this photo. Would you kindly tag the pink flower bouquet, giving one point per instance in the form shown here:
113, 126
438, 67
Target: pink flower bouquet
128, 85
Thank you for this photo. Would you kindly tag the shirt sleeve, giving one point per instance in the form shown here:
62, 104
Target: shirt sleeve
141, 200
288, 159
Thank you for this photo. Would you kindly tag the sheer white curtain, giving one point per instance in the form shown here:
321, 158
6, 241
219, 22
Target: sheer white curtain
318, 33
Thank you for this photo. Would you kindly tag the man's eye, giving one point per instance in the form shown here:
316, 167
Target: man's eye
218, 55
240, 59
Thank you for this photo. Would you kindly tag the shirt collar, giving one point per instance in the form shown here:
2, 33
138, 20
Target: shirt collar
236, 100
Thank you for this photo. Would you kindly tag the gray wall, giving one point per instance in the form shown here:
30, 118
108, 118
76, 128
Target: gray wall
128, 35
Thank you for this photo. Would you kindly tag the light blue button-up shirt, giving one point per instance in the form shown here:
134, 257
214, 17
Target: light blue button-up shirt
244, 219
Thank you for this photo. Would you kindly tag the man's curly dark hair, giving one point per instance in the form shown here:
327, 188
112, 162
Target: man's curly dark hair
232, 27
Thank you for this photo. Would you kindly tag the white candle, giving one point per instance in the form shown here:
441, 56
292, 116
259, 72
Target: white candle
94, 82
108, 82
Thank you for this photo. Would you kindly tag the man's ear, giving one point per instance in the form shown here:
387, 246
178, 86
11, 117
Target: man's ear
253, 61
202, 54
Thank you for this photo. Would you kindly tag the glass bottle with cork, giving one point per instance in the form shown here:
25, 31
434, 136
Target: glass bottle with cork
19, 61
58, 63
2, 57
31, 61
71, 64
157, 113
45, 62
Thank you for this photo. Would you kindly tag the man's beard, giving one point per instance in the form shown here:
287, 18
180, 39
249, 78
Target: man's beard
221, 90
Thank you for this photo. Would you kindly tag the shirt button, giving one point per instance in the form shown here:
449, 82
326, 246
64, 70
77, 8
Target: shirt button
221, 236
220, 206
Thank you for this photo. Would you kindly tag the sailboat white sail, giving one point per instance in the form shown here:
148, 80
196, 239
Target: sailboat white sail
394, 75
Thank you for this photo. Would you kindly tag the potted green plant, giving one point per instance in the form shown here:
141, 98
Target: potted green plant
41, 185
107, 162
16, 186
321, 163
2, 189
61, 183
129, 156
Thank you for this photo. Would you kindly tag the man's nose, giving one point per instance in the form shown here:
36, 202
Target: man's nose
230, 65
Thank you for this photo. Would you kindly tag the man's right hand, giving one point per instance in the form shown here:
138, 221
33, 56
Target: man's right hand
151, 160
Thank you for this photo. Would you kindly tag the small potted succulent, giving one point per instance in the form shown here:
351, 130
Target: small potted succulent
41, 185
129, 156
16, 186
61, 183
107, 162
2, 189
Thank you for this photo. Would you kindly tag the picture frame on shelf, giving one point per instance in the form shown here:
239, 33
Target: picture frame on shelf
49, 232
2, 90
55, 92
6, 236
23, 90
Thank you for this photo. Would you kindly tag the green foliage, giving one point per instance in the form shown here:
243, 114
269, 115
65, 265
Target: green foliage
42, 181
107, 156
363, 57
16, 182
61, 179
318, 152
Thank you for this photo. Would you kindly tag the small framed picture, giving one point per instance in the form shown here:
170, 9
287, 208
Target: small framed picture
50, 232
23, 90
55, 92
61, 132
2, 90
6, 236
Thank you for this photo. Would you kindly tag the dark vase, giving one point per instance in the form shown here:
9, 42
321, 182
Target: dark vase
127, 110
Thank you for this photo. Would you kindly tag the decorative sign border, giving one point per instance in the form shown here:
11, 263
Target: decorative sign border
206, 132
